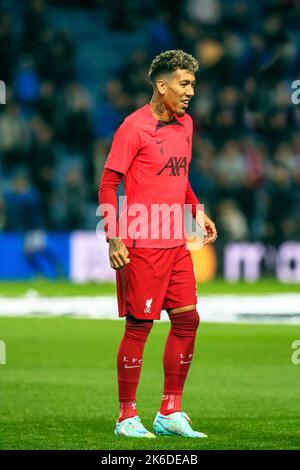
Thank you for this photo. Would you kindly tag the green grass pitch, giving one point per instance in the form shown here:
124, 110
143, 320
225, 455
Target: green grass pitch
217, 286
58, 387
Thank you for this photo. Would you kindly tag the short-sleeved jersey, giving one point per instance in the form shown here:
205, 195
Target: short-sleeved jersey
154, 158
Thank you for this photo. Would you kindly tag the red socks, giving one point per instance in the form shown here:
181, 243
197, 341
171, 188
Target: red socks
170, 403
178, 356
129, 363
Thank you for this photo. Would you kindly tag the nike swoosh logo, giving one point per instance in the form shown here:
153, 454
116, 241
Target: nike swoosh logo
185, 362
160, 141
130, 367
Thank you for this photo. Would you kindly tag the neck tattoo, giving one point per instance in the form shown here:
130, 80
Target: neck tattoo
159, 108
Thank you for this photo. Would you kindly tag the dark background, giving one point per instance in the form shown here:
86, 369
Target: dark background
75, 69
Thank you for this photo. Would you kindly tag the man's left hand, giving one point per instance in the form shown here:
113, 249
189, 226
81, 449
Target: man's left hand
211, 232
208, 227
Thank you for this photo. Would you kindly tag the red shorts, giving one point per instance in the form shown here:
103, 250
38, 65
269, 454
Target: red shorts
156, 279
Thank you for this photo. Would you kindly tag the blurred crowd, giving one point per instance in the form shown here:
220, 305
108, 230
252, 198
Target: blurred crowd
55, 135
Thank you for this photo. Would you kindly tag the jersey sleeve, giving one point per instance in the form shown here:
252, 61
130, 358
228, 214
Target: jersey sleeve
107, 195
191, 199
124, 148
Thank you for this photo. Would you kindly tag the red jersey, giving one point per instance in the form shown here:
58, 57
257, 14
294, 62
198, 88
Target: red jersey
154, 158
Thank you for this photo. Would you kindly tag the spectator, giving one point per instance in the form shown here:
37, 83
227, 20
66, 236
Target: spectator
14, 137
231, 221
70, 201
27, 83
77, 128
22, 203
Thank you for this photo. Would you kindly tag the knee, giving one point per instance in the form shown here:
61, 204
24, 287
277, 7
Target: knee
138, 329
185, 323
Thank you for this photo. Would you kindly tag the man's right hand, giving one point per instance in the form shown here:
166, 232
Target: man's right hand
118, 253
